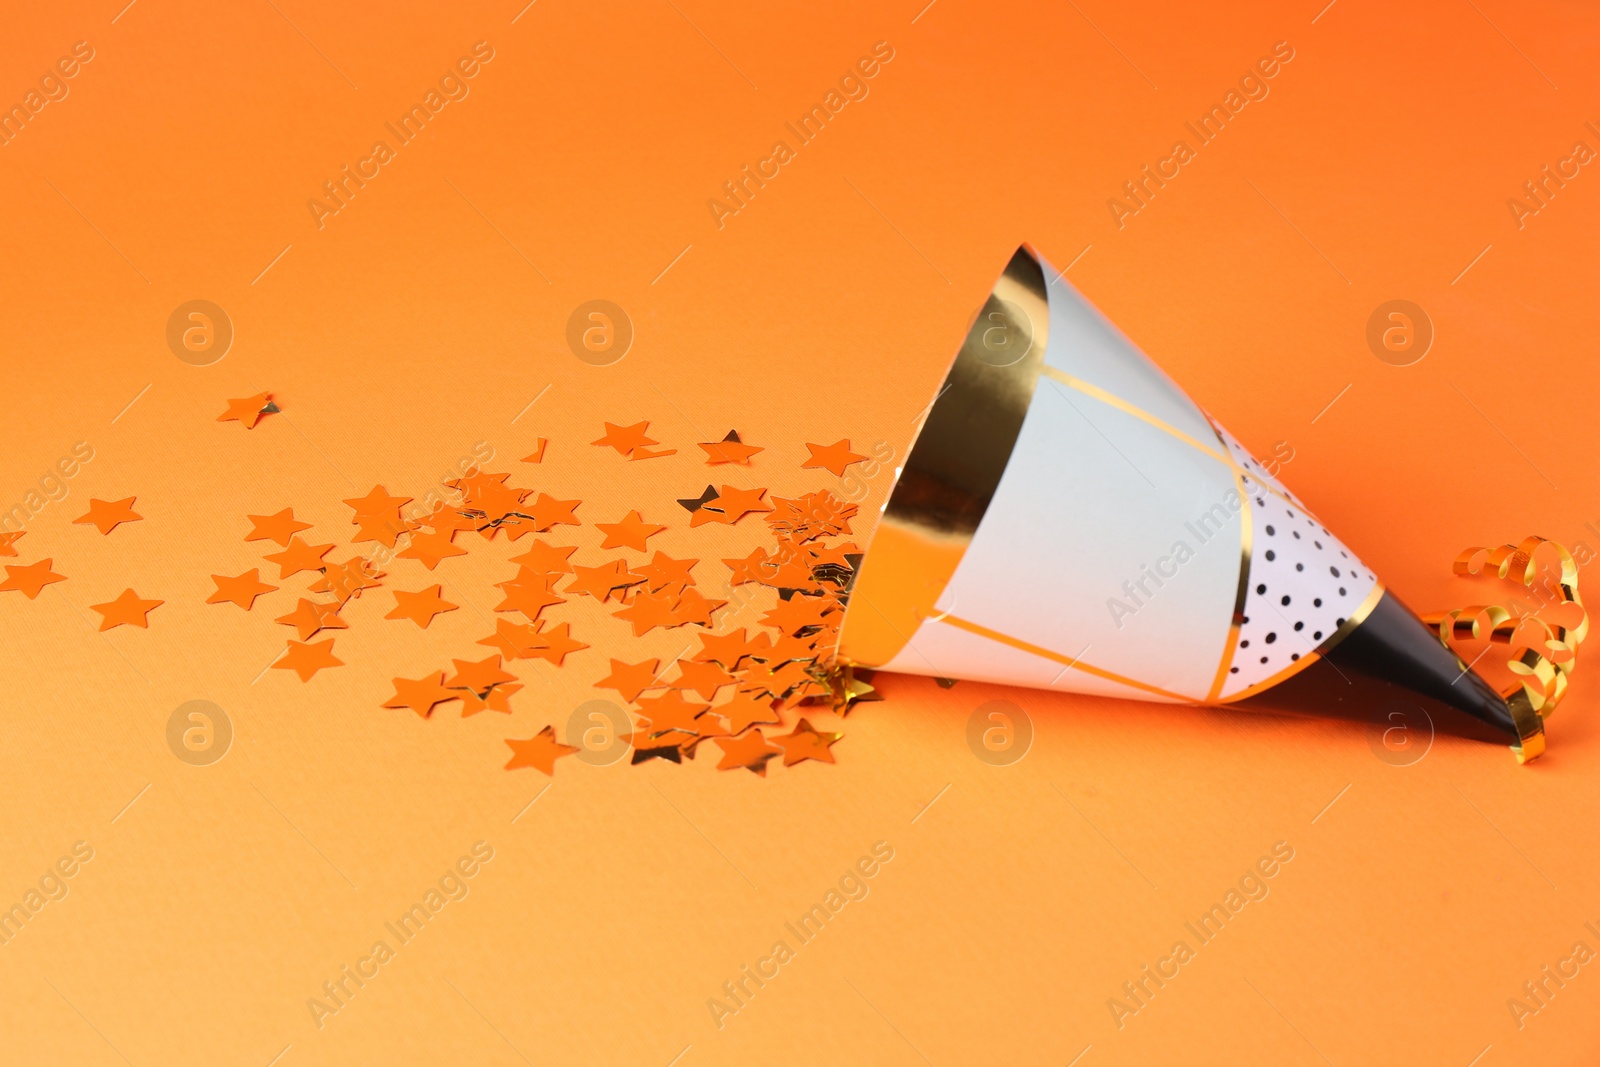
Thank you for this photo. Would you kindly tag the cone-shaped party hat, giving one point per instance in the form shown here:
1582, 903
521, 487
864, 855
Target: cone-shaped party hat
1069, 519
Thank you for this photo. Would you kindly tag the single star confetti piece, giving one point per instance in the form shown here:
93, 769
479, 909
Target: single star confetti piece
537, 455
421, 606
671, 712
376, 502
558, 644
730, 505
692, 607
729, 450
307, 659
529, 594
542, 558
541, 751
515, 640
756, 567
704, 678
241, 589
752, 751
645, 453
446, 519
695, 503
600, 582
631, 679
631, 532
745, 711
797, 613
7, 540
248, 410
833, 458
127, 610
807, 742
547, 511
421, 695
297, 557
430, 549
347, 579
727, 649
647, 611
308, 617
663, 571
106, 516
478, 675
279, 527
30, 580
384, 529
625, 438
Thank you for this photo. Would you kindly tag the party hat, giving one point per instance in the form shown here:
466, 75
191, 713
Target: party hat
1069, 519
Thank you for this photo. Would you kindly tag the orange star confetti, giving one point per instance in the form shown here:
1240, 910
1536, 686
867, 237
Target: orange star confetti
752, 751
600, 582
557, 645
807, 742
541, 751
663, 571
694, 608
529, 594
249, 410
241, 589
479, 675
430, 549
647, 611
727, 649
420, 607
515, 640
542, 558
631, 532
377, 502
671, 712
703, 678
631, 679
278, 528
307, 659
421, 695
730, 505
833, 458
547, 511
32, 579
7, 540
625, 438
308, 617
729, 450
347, 579
127, 610
297, 557
106, 516
745, 711
537, 456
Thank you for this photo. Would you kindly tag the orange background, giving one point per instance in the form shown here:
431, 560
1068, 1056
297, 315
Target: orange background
426, 314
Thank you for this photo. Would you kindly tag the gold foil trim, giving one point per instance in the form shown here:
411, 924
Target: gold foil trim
1073, 663
953, 469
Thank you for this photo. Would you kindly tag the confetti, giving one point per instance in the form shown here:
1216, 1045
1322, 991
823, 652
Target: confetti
248, 410
129, 609
106, 516
30, 580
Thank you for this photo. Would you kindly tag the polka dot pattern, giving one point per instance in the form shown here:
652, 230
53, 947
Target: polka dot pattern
1304, 583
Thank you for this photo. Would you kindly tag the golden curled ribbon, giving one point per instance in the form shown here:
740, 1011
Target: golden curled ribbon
1541, 638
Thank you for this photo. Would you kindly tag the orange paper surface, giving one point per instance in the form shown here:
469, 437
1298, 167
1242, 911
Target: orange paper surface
424, 325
